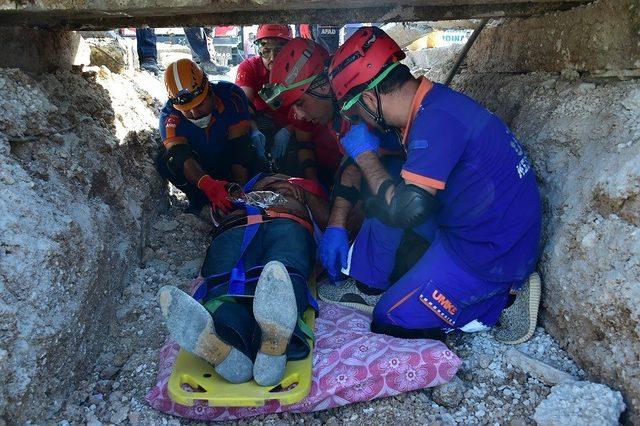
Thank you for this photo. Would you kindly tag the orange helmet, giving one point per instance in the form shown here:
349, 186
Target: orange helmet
187, 85
273, 31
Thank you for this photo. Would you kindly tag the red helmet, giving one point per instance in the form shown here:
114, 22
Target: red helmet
273, 31
361, 59
299, 63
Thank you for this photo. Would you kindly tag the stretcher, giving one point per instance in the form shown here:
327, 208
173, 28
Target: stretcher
194, 379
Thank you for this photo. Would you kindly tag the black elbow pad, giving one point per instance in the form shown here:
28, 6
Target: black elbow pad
411, 206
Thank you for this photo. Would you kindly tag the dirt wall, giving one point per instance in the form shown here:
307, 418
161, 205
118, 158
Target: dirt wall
41, 51
598, 38
583, 135
77, 186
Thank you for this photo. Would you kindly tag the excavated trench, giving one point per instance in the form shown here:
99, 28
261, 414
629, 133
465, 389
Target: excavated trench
90, 233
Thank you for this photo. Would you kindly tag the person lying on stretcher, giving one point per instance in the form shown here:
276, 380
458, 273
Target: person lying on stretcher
247, 323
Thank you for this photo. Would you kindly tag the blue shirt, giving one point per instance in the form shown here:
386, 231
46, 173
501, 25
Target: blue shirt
489, 213
211, 145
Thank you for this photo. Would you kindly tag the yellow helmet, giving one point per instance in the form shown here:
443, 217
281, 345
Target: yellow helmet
187, 85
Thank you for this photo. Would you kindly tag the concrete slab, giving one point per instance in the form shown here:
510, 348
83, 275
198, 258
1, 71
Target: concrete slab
104, 14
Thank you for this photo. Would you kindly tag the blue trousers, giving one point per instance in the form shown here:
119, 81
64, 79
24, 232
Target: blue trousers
436, 293
197, 39
196, 36
146, 43
280, 239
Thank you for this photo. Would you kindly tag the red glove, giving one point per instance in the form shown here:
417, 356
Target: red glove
216, 192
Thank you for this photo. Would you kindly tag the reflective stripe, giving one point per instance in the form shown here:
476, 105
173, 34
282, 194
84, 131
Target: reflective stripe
400, 302
177, 140
297, 67
176, 76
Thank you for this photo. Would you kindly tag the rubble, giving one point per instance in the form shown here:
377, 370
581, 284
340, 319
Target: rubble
584, 141
538, 369
580, 402
111, 51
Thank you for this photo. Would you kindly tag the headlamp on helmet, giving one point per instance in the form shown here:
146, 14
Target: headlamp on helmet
185, 96
271, 94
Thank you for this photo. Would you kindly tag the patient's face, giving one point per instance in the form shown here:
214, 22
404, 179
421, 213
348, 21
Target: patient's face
313, 109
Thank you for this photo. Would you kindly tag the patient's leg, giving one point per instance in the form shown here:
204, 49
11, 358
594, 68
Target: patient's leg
193, 327
290, 243
233, 320
274, 308
223, 252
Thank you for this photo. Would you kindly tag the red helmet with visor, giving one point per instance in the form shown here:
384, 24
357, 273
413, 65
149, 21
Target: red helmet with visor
299, 63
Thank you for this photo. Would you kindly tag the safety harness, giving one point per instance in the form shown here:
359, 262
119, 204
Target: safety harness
216, 289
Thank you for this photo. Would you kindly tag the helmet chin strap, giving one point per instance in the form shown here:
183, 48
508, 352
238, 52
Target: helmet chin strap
377, 116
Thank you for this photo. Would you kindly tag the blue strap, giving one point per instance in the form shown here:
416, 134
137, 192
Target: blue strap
201, 291
212, 286
312, 301
249, 185
238, 277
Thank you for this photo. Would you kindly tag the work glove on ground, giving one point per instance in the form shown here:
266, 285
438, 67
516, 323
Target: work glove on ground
216, 192
360, 139
259, 141
280, 142
334, 250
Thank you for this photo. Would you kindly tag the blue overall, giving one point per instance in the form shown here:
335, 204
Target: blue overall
483, 234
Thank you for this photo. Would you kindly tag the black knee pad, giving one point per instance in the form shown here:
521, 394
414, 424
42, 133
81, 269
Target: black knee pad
175, 157
243, 152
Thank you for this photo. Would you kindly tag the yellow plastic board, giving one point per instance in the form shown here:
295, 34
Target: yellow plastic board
207, 385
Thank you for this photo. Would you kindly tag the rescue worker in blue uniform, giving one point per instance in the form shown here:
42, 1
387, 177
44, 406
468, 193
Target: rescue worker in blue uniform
205, 129
467, 187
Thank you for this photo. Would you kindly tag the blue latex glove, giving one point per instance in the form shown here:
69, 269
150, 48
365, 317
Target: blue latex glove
359, 139
334, 250
259, 141
280, 143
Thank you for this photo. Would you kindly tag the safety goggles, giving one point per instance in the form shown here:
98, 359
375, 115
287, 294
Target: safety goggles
271, 94
351, 102
185, 96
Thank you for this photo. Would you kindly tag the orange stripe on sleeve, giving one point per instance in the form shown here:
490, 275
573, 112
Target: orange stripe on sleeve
239, 129
422, 180
176, 140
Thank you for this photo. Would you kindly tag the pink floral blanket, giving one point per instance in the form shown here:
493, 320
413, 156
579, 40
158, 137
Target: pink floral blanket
350, 364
